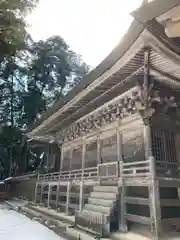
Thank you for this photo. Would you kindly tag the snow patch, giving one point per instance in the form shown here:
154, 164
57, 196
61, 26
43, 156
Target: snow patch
15, 226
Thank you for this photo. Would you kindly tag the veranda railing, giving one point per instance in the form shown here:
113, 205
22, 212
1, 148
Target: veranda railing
104, 170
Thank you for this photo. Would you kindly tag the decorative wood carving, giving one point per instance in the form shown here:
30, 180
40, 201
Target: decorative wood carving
144, 100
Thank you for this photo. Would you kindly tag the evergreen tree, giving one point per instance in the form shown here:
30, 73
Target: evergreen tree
32, 76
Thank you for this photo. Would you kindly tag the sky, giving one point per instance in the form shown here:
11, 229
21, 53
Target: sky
92, 28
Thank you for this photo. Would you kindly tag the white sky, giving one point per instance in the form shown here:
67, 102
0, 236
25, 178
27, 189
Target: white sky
91, 28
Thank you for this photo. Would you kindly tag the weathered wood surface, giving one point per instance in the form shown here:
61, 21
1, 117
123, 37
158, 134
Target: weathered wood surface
155, 209
137, 200
138, 219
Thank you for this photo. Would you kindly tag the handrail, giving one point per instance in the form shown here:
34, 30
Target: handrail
136, 163
103, 170
133, 169
73, 174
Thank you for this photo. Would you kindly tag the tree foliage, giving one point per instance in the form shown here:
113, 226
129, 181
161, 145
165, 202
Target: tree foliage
32, 76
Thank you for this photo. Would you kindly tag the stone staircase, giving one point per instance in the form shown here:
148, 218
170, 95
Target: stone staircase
100, 214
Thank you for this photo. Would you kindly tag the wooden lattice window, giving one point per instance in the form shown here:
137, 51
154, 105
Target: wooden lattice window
164, 146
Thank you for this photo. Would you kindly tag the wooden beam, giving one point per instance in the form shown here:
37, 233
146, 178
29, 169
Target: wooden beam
137, 219
136, 200
170, 202
169, 182
142, 181
170, 224
163, 76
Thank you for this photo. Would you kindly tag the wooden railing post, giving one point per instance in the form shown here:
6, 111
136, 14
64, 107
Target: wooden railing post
155, 208
67, 197
119, 150
122, 206
81, 194
98, 150
36, 187
152, 166
35, 193
49, 195
107, 170
42, 188
121, 168
81, 197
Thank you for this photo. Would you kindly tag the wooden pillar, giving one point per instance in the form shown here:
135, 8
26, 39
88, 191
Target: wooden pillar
122, 187
42, 186
81, 197
47, 159
49, 196
81, 192
119, 148
67, 197
98, 150
146, 115
35, 193
70, 161
155, 208
147, 139
57, 195
154, 198
122, 195
62, 159
83, 156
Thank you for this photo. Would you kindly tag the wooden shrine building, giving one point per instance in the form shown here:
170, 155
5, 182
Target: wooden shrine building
118, 134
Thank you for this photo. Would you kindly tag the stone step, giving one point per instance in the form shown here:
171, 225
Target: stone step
95, 208
110, 189
109, 182
93, 222
101, 202
95, 217
103, 195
